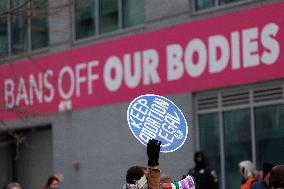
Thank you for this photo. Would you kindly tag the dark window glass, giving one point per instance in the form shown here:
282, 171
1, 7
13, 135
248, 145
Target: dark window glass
39, 24
204, 4
18, 4
133, 12
19, 27
209, 139
19, 32
3, 36
237, 139
3, 29
84, 18
108, 15
269, 132
228, 1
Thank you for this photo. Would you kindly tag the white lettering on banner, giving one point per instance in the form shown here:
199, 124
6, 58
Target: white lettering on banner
82, 74
195, 69
92, 76
273, 50
9, 93
247, 40
66, 70
113, 64
37, 88
235, 50
174, 62
49, 86
79, 78
150, 62
218, 64
132, 81
40, 87
22, 93
250, 47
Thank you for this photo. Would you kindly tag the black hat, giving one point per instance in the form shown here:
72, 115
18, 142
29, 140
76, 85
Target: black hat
266, 168
134, 174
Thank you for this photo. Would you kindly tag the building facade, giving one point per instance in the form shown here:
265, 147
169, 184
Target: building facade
69, 70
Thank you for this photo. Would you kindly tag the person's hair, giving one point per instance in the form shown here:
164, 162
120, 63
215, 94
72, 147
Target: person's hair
248, 169
50, 180
14, 184
276, 178
134, 173
266, 168
199, 153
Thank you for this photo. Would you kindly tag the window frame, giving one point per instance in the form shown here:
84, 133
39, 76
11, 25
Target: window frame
29, 34
121, 29
220, 110
217, 6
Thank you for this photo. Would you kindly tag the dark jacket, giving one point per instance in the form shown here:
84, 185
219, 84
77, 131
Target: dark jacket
259, 185
205, 178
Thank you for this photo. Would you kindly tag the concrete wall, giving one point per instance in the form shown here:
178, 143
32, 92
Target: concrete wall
102, 142
99, 138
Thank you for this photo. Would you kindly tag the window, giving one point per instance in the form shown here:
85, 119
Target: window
39, 24
84, 18
3, 29
269, 132
93, 17
209, 139
23, 26
241, 124
205, 4
133, 12
108, 16
237, 143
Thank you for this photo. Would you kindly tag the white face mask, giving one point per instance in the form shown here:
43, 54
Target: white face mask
140, 184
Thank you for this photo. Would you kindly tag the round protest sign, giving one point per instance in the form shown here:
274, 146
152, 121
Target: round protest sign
156, 117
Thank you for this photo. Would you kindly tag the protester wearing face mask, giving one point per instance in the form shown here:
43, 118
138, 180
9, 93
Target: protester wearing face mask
138, 177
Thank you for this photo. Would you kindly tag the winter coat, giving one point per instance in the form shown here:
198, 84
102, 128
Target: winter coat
153, 178
259, 185
204, 178
247, 184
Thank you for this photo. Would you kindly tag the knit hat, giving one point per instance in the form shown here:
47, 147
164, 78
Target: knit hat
266, 168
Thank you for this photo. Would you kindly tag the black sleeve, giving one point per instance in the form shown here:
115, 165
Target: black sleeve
214, 179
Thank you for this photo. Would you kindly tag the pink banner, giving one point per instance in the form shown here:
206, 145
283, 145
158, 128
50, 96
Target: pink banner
227, 50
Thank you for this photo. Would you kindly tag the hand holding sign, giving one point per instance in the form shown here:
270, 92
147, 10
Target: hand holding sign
153, 150
156, 117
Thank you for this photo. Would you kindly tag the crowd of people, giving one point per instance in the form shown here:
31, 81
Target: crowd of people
199, 177
52, 183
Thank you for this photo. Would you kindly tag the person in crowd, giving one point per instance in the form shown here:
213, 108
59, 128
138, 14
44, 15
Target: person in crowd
14, 185
248, 173
52, 183
204, 176
264, 182
146, 178
165, 178
276, 179
138, 177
